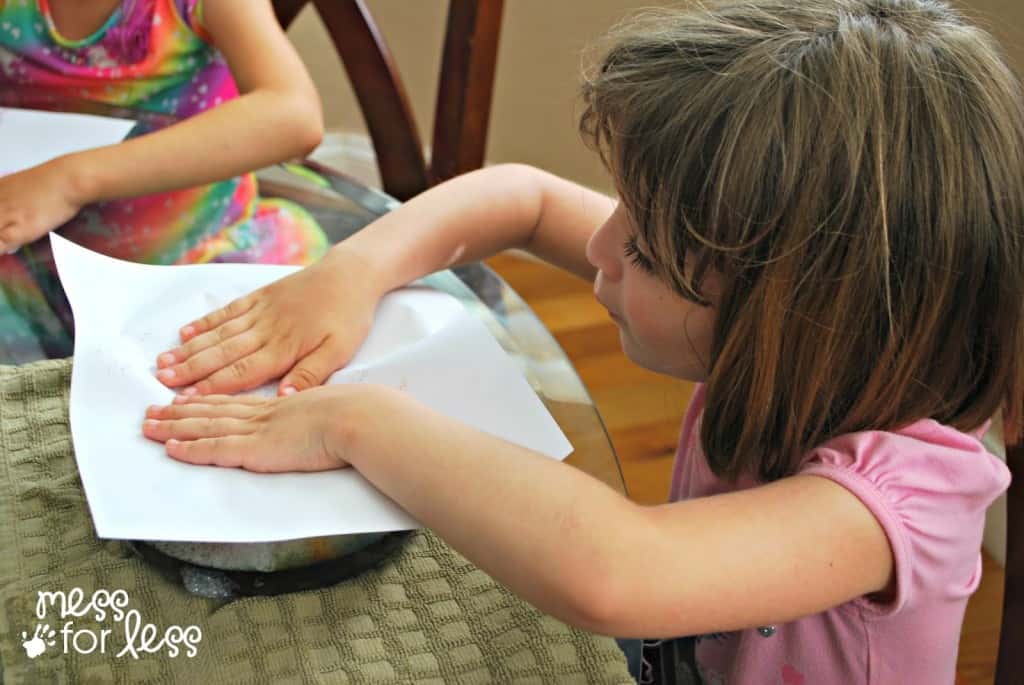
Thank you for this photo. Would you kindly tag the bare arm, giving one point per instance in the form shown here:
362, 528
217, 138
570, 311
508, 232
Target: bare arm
580, 551
277, 116
553, 535
279, 331
479, 214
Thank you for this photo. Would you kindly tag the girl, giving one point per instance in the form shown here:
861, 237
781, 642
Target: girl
225, 68
820, 221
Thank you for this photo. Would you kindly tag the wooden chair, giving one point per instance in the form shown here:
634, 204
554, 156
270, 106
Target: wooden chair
464, 92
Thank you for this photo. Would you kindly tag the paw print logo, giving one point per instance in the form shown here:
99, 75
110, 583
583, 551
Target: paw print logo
44, 637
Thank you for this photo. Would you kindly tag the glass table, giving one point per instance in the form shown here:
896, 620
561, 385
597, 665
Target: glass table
344, 206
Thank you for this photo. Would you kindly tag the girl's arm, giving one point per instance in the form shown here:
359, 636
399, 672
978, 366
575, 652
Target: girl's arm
276, 117
553, 535
467, 218
580, 551
477, 215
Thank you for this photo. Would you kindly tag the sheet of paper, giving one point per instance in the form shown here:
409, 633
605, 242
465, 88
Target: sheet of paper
30, 137
422, 341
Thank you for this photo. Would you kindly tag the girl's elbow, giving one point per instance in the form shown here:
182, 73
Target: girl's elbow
597, 616
309, 131
305, 122
608, 586
598, 606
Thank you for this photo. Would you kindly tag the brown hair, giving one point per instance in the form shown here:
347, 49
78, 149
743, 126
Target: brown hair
855, 171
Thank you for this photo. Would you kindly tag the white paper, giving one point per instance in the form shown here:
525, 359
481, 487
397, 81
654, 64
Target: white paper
30, 137
422, 341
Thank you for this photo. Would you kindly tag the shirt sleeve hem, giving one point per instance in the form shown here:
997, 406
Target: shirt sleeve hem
871, 497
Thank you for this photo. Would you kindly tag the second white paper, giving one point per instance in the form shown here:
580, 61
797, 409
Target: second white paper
30, 137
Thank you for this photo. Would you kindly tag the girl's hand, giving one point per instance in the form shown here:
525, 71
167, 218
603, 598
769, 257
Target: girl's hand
303, 327
305, 432
35, 201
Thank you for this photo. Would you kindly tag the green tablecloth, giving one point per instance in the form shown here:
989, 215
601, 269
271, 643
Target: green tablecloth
426, 616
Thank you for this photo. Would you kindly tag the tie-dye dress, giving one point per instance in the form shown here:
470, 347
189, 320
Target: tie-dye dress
155, 56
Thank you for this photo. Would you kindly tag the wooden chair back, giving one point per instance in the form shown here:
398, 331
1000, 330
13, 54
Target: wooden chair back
463, 105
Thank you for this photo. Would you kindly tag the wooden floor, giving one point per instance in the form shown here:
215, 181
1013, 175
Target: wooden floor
643, 411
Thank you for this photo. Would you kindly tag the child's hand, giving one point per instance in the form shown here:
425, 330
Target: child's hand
304, 432
35, 201
303, 327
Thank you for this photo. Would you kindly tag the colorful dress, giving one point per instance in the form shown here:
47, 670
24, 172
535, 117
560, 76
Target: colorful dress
154, 56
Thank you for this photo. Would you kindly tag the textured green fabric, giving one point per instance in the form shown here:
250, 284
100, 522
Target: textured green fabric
426, 616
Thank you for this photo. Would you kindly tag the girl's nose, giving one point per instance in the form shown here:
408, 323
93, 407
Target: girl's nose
601, 253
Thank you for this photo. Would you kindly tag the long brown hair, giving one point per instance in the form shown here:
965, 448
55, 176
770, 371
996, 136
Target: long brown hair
855, 171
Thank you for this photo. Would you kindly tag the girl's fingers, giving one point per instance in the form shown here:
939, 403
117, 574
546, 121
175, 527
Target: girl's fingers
314, 368
250, 452
195, 428
209, 361
203, 341
222, 399
172, 412
227, 451
216, 318
242, 374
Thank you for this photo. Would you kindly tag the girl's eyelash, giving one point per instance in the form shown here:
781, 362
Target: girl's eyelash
639, 259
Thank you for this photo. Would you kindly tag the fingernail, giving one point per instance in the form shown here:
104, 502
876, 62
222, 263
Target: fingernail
178, 399
187, 331
165, 358
150, 423
289, 390
165, 374
189, 391
171, 442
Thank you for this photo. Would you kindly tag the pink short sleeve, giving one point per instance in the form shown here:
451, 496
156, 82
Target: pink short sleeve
928, 485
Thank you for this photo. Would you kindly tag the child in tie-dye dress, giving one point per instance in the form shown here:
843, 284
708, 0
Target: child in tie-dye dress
224, 69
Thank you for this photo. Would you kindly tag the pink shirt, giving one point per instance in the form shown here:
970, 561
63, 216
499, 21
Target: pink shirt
929, 486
